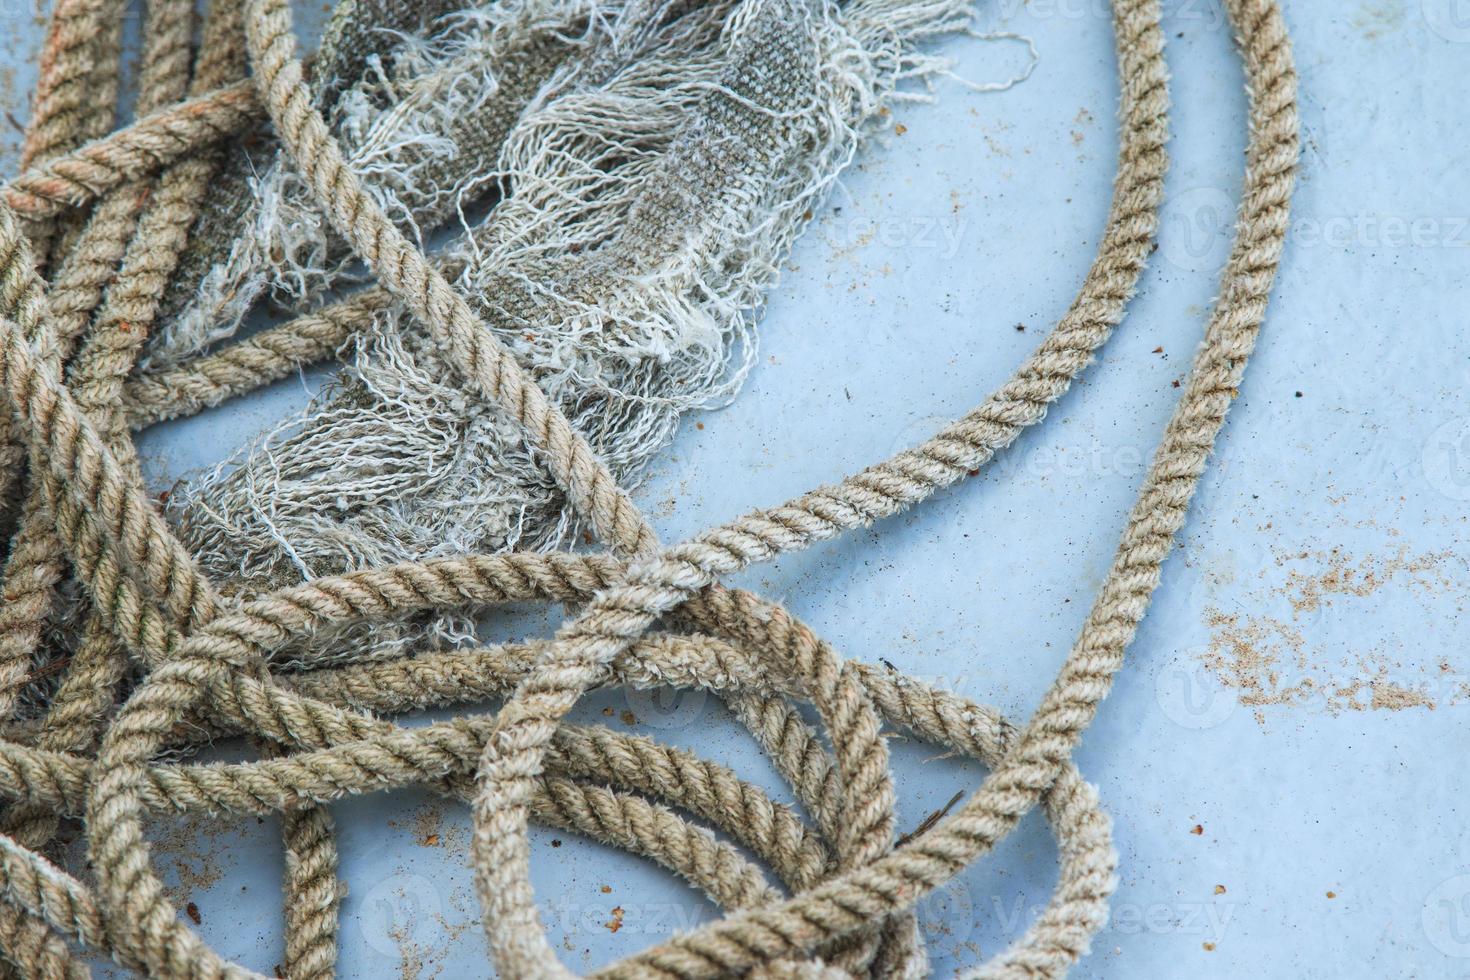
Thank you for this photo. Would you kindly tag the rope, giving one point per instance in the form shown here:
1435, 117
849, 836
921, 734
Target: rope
138, 150
201, 666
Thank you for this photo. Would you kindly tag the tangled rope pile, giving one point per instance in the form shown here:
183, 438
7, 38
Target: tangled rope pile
163, 659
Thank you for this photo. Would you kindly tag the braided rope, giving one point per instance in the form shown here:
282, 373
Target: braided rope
848, 888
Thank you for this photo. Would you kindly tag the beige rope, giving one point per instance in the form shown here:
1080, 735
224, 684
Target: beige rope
78, 80
847, 887
243, 367
75, 94
74, 102
145, 147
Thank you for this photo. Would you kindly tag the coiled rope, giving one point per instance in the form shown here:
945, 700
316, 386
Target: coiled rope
650, 614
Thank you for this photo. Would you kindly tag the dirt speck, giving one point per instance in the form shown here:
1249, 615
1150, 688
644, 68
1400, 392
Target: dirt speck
1338, 574
426, 824
1294, 660
198, 849
1393, 697
411, 959
616, 922
1375, 19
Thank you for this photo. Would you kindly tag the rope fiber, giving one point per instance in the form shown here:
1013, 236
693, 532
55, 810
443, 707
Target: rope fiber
97, 721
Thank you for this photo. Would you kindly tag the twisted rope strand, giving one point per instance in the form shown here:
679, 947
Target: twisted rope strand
145, 147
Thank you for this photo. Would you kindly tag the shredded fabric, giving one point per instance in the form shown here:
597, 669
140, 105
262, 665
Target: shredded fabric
648, 190
537, 233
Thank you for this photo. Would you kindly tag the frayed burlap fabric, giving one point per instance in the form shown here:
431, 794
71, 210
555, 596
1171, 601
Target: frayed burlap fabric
639, 171
649, 175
